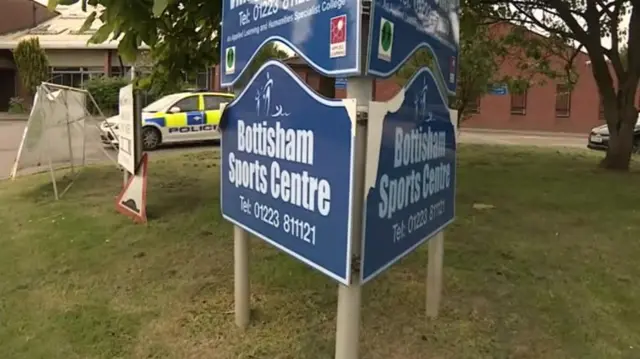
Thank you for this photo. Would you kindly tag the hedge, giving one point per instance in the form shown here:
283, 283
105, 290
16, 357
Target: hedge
106, 92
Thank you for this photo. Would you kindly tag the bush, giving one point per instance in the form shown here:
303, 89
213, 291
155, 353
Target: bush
32, 63
106, 92
17, 105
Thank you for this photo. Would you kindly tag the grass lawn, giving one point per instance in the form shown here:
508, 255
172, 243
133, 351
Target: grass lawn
548, 273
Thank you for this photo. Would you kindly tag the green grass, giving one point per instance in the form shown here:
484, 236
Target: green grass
550, 272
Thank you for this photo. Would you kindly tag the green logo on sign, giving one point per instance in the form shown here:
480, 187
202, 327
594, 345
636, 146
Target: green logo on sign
386, 36
230, 57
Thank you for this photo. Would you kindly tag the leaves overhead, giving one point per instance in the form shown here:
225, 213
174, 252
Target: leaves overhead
180, 33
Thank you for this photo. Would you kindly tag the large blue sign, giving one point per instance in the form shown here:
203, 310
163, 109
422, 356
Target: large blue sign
399, 28
287, 168
326, 33
411, 175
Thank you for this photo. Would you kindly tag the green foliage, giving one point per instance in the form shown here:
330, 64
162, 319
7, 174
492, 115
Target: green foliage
106, 91
32, 63
179, 32
268, 52
575, 25
17, 105
422, 58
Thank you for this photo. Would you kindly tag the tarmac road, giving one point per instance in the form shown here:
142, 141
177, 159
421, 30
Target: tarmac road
11, 134
523, 138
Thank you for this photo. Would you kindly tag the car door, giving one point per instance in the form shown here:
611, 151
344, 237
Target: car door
184, 119
212, 108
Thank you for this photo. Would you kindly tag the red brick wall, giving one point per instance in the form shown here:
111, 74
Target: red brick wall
383, 90
22, 14
540, 113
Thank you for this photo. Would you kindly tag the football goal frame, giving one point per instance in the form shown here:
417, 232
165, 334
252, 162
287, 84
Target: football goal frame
59, 111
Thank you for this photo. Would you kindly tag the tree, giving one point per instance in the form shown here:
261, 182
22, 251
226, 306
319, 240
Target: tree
483, 49
180, 33
582, 24
32, 63
266, 53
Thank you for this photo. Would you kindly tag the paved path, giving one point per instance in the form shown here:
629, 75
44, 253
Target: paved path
11, 134
523, 138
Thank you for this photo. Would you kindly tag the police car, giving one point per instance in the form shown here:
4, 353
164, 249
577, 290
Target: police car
176, 118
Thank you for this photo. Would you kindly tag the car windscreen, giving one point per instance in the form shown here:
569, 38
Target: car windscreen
162, 103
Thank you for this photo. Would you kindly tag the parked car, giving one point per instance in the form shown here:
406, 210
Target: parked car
599, 138
180, 117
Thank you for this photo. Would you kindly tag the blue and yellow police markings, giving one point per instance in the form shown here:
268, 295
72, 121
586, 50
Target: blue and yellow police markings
191, 122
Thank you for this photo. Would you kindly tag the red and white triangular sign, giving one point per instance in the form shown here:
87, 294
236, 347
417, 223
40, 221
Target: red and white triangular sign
132, 201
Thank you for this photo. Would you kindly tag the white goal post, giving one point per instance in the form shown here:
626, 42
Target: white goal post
60, 132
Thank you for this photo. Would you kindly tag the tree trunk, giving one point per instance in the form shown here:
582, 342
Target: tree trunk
620, 147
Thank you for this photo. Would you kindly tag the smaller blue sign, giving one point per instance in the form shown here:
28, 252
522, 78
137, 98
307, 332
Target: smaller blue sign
399, 28
341, 83
325, 33
498, 90
412, 196
287, 168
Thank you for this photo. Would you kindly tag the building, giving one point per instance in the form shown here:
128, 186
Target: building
16, 15
547, 105
73, 61
543, 107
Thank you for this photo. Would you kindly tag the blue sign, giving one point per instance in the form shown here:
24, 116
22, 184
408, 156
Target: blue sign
287, 168
499, 90
399, 28
412, 173
326, 33
341, 83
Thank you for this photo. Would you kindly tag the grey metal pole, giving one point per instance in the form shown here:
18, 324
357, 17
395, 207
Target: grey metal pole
349, 297
434, 274
241, 276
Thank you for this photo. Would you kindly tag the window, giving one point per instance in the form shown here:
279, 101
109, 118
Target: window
73, 76
563, 100
473, 107
213, 102
162, 103
203, 79
188, 104
519, 103
116, 71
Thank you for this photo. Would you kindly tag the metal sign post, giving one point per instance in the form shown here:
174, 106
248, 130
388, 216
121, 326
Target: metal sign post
287, 175
241, 276
331, 182
349, 297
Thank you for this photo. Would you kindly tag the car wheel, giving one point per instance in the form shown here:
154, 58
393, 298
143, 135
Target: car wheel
151, 138
636, 147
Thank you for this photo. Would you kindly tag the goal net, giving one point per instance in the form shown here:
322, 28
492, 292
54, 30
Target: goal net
61, 136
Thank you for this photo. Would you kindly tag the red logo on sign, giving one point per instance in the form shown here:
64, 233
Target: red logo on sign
338, 29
